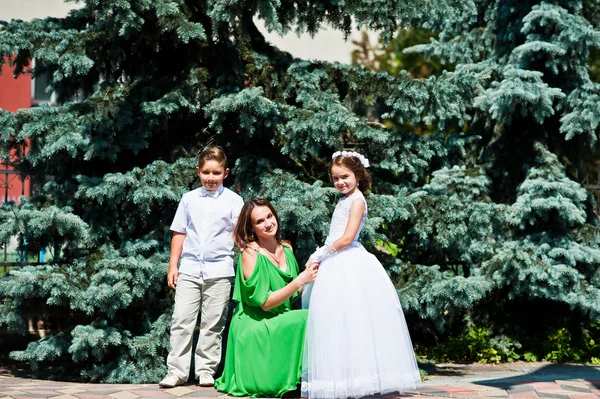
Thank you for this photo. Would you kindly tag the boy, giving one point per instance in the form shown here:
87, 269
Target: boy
203, 245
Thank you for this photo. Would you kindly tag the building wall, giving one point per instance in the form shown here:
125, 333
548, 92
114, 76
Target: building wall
14, 95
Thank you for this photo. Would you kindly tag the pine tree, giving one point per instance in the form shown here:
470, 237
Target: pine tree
474, 216
525, 239
504, 227
141, 87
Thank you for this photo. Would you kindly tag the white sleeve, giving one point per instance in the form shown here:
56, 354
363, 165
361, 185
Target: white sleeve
180, 221
238, 203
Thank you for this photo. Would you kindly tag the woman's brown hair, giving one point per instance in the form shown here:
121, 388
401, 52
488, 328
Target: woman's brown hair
243, 233
353, 164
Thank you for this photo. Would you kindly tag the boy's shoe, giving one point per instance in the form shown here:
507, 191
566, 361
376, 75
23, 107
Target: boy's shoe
206, 380
171, 381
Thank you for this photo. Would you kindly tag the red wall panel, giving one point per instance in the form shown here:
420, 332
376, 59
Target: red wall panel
14, 94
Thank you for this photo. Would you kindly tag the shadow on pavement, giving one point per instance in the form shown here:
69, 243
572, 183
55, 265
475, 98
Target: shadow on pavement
13, 368
548, 373
445, 370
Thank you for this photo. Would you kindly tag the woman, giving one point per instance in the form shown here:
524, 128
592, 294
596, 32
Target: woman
266, 337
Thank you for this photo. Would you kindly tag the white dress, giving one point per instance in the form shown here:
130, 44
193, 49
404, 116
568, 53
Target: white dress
357, 342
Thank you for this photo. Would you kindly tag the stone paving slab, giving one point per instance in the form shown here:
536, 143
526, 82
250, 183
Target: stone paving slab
515, 381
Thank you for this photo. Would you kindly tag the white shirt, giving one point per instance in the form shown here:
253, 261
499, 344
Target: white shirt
208, 224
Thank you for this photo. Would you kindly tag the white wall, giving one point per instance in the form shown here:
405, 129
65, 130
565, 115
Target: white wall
29, 9
328, 45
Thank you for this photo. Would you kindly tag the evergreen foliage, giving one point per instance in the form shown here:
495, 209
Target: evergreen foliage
141, 87
505, 226
479, 210
537, 122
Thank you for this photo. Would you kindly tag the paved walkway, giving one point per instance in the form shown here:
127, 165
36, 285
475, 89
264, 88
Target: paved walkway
517, 380
513, 381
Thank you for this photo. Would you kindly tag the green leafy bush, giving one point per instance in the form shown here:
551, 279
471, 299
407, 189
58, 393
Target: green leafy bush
475, 345
556, 344
560, 347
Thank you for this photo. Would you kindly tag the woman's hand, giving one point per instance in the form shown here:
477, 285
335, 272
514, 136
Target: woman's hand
309, 275
278, 297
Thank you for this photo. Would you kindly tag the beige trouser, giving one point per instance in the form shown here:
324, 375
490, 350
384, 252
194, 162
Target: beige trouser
211, 297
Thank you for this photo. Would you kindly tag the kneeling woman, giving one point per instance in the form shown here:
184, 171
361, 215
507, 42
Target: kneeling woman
266, 337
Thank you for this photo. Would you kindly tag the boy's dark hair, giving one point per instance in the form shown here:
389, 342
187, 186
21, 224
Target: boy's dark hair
212, 154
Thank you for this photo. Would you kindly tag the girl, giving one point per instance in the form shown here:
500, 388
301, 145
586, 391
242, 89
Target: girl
357, 342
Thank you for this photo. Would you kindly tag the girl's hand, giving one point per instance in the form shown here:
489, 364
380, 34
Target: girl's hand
322, 253
313, 265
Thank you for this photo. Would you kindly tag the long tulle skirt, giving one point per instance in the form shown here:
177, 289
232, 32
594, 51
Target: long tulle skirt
357, 342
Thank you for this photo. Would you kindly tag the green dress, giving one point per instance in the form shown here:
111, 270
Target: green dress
264, 349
